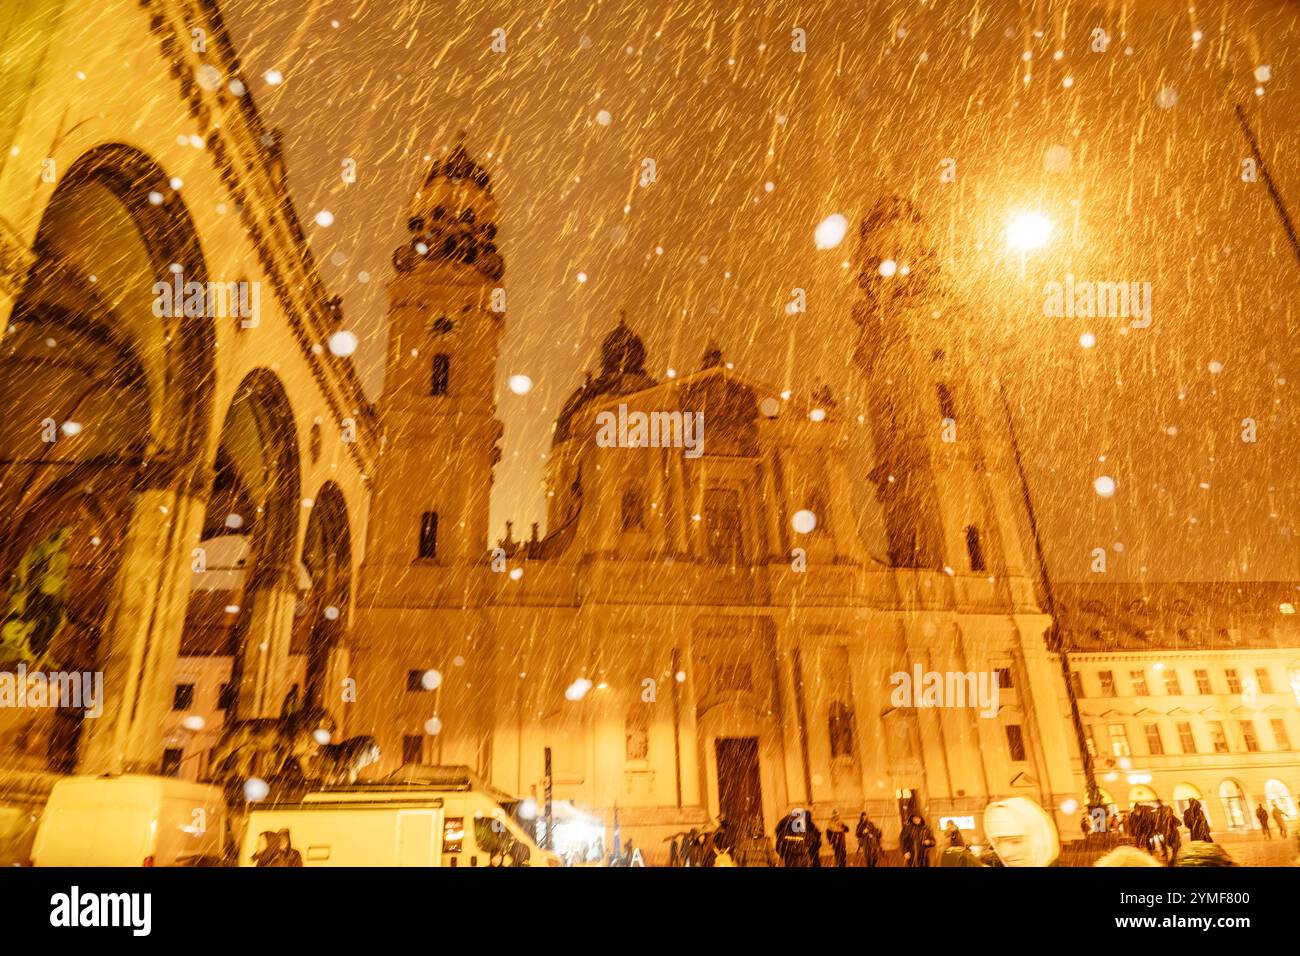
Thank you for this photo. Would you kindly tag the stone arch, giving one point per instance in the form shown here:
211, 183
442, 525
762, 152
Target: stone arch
255, 496
102, 403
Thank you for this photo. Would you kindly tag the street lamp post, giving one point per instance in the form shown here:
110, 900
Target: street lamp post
1055, 642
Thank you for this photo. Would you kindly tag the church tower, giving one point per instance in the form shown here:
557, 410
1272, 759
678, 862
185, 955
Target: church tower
446, 311
954, 506
424, 652
944, 476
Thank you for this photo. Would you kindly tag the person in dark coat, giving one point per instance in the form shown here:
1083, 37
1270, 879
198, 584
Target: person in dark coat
1141, 827
836, 832
815, 844
755, 849
957, 853
869, 836
915, 841
793, 841
1171, 838
1198, 827
1262, 815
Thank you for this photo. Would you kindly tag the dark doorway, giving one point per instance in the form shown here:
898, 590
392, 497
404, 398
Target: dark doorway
740, 792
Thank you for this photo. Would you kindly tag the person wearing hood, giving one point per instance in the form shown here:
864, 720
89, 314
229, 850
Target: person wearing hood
836, 831
755, 849
915, 840
1021, 833
1198, 827
869, 837
1167, 825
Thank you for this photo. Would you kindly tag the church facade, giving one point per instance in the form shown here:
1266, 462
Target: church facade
701, 632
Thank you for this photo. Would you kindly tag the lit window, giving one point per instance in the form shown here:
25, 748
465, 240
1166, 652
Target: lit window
1172, 687
1107, 679
1119, 740
1091, 741
1263, 680
1234, 680
1186, 739
1248, 736
1139, 681
1203, 682
453, 834
1280, 736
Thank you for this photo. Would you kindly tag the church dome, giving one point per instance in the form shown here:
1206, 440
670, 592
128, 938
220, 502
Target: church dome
622, 351
622, 372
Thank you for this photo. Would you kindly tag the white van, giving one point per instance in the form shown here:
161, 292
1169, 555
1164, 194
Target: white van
419, 816
131, 820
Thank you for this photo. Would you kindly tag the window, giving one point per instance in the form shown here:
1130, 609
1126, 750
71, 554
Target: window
1154, 744
429, 535
1219, 736
1248, 736
975, 550
1004, 678
412, 748
840, 722
171, 761
1107, 679
1076, 683
1280, 736
947, 407
1015, 742
1203, 682
1090, 740
1172, 687
226, 697
183, 697
1234, 680
1263, 680
415, 681
637, 729
453, 834
1119, 740
633, 510
440, 376
722, 525
1186, 739
1139, 681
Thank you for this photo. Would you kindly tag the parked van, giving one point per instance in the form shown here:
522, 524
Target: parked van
131, 820
419, 816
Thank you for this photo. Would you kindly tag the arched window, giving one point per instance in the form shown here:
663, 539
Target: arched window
633, 509
429, 535
1184, 793
1276, 794
975, 549
947, 407
440, 378
1233, 799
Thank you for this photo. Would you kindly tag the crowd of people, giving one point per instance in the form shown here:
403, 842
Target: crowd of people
1020, 833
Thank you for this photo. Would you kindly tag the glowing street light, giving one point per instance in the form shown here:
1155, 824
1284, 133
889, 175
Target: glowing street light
1027, 231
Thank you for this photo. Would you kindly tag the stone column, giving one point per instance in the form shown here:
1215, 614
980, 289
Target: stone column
688, 732
142, 639
264, 654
